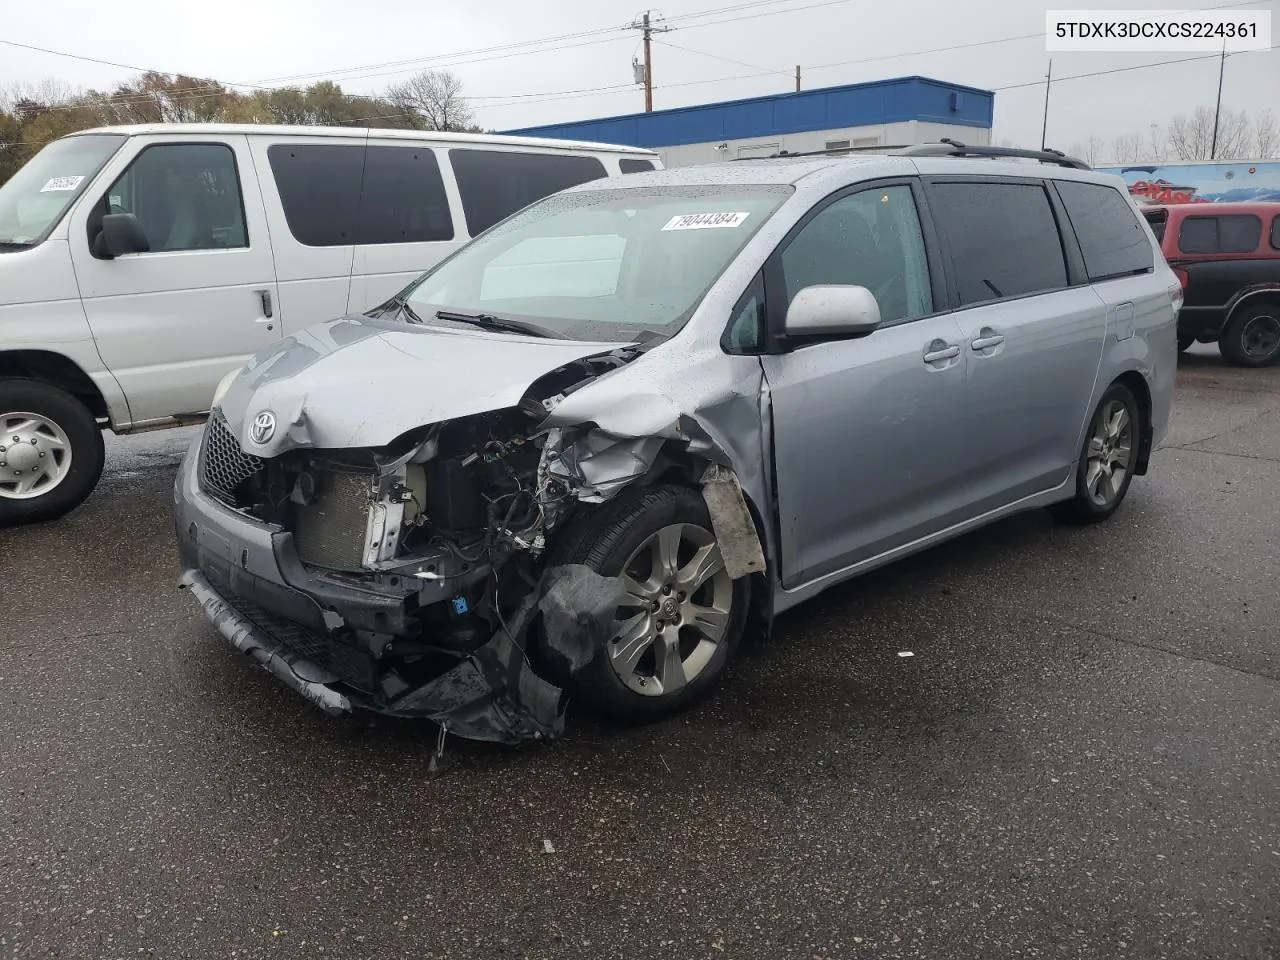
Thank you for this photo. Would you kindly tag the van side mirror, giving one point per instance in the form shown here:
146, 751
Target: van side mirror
831, 311
121, 233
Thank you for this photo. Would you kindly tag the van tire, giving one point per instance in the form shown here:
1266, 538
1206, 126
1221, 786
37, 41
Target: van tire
1086, 506
84, 440
1251, 337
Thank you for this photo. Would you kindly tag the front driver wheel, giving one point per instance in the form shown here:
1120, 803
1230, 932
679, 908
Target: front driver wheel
1107, 459
51, 452
682, 618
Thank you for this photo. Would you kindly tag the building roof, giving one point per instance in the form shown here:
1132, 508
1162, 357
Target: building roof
824, 108
353, 133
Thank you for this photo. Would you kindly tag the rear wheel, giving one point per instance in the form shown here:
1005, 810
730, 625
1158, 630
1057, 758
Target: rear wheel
1184, 343
683, 616
1252, 337
1107, 459
51, 452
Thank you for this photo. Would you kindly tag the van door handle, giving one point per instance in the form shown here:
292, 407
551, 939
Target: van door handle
265, 295
991, 339
940, 350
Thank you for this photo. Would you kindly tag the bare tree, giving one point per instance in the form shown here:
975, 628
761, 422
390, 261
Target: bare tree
436, 96
1129, 148
1156, 145
1266, 137
1192, 138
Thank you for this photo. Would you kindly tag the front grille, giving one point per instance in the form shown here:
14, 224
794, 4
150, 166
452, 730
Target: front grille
330, 530
224, 466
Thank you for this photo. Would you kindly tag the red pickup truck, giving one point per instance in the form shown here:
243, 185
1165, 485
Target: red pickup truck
1227, 256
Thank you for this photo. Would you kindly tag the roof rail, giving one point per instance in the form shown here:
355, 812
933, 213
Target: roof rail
954, 148
830, 152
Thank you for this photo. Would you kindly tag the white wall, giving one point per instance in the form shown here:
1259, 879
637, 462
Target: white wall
909, 132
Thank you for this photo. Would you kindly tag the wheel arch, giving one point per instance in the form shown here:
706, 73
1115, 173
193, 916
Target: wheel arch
1266, 292
56, 370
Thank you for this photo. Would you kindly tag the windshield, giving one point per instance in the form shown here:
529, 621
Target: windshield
35, 198
610, 265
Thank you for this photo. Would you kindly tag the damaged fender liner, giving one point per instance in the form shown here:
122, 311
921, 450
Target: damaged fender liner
491, 695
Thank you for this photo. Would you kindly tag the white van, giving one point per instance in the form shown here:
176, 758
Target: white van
139, 265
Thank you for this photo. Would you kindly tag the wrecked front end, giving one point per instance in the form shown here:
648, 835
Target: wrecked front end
417, 579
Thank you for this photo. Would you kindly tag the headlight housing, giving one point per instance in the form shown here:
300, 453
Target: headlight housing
223, 386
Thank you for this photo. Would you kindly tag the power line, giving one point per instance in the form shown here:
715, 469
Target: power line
702, 53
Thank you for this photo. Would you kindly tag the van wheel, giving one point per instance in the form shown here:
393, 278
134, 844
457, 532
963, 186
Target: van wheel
51, 452
1107, 459
683, 617
1252, 338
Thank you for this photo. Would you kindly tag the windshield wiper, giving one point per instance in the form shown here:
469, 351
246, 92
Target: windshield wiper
408, 311
487, 321
15, 245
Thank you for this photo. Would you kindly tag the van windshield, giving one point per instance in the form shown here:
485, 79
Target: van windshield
35, 198
609, 265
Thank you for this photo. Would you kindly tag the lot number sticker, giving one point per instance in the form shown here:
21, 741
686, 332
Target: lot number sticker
704, 221
61, 183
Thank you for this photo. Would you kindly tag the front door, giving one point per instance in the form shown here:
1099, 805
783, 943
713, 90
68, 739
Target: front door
172, 322
866, 432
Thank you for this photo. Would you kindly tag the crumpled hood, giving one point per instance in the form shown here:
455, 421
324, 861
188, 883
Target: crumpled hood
362, 382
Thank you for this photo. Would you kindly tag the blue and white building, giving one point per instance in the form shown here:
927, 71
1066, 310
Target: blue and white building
903, 111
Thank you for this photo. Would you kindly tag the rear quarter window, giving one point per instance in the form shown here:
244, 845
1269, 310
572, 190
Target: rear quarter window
1275, 234
633, 165
496, 183
1222, 233
1111, 238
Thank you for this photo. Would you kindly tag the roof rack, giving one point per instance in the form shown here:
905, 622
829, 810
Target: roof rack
943, 148
954, 148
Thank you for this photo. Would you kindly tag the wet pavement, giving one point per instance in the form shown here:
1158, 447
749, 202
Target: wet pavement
1080, 759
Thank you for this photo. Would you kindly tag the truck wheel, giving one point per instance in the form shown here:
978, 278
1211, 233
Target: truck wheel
1252, 337
51, 452
1107, 459
683, 617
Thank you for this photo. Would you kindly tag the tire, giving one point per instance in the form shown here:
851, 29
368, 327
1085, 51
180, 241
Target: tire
1184, 343
1252, 336
621, 536
1086, 505
68, 452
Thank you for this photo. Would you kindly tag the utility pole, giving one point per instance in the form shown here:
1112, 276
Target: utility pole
648, 28
1044, 129
1222, 64
797, 78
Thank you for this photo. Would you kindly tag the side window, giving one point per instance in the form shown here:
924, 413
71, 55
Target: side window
319, 187
403, 199
1237, 233
631, 165
745, 332
1111, 237
1003, 239
869, 239
186, 196
1275, 234
496, 183
1157, 220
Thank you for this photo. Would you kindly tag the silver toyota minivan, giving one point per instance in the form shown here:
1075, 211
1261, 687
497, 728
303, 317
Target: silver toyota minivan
582, 454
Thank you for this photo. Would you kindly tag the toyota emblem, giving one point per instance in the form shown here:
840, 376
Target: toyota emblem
264, 427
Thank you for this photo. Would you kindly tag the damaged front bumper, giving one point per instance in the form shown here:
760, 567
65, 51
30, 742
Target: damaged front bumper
317, 636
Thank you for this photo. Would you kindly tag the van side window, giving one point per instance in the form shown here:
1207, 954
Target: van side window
1111, 237
869, 239
632, 165
1003, 239
403, 198
319, 187
496, 183
1225, 233
186, 196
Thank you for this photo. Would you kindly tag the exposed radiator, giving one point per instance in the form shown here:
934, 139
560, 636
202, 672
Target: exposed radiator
330, 531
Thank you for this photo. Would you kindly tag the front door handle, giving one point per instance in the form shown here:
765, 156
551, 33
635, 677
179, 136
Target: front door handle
991, 339
939, 351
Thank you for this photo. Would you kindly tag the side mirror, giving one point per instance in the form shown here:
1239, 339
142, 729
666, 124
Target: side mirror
832, 311
121, 233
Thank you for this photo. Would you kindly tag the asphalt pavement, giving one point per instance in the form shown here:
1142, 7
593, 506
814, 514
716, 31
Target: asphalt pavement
1080, 758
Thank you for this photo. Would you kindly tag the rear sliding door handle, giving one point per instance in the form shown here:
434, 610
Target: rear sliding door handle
266, 303
986, 343
942, 353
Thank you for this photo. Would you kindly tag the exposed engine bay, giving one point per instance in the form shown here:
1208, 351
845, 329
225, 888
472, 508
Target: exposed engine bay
431, 560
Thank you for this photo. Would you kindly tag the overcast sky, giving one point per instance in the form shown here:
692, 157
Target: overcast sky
363, 46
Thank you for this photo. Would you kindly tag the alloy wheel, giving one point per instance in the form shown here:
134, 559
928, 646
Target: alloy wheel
676, 613
1260, 337
1110, 453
